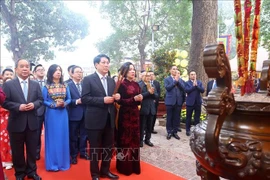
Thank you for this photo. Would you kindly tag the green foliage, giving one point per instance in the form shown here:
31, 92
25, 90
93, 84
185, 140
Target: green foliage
41, 28
176, 27
163, 61
132, 20
184, 116
265, 24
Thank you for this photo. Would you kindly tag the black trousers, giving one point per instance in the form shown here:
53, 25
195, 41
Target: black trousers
101, 144
21, 165
196, 108
77, 138
39, 132
173, 118
146, 124
154, 117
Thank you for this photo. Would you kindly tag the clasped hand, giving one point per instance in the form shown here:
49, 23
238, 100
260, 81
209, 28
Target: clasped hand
111, 99
60, 103
26, 107
138, 97
151, 90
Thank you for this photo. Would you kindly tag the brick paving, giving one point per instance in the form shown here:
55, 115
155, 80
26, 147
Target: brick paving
172, 155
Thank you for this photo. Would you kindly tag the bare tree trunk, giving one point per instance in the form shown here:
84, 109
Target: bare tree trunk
142, 55
204, 31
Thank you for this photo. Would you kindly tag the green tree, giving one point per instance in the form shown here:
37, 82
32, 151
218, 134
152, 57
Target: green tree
163, 60
132, 21
35, 29
204, 31
265, 25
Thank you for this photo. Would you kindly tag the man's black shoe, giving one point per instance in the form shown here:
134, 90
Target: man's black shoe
35, 177
85, 157
175, 135
149, 143
188, 133
179, 130
19, 178
169, 136
141, 144
73, 161
109, 175
154, 132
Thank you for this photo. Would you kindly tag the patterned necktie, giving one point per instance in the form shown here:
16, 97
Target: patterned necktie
79, 88
104, 83
25, 89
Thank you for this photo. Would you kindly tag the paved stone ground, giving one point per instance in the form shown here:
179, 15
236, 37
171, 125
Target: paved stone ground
172, 155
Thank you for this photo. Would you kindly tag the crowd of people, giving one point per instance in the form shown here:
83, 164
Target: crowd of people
104, 113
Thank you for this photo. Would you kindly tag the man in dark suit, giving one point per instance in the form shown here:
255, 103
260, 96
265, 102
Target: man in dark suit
69, 73
77, 131
23, 98
193, 88
175, 97
97, 95
155, 84
210, 85
148, 109
39, 73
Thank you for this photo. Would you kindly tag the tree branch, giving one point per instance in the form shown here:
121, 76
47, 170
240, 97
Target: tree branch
5, 13
135, 15
26, 44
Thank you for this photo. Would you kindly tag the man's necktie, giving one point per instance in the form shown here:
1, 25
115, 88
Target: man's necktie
41, 84
79, 88
104, 83
152, 83
25, 89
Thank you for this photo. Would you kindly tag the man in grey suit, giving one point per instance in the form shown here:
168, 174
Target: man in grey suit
97, 95
23, 98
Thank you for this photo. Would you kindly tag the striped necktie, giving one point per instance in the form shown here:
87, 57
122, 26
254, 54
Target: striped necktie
79, 88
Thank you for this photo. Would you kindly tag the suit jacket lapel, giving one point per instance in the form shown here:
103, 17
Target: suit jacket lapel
30, 83
171, 78
74, 86
98, 81
110, 86
18, 86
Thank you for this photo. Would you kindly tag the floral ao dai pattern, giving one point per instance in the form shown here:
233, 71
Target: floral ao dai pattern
4, 137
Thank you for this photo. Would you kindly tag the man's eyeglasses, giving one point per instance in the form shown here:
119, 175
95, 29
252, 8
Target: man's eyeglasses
40, 70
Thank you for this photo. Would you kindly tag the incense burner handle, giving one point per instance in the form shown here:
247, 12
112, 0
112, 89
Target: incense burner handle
220, 101
265, 77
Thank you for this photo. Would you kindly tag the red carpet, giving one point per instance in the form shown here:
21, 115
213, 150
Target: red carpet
81, 171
